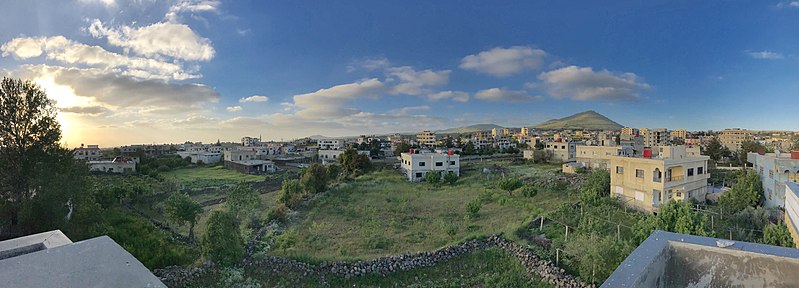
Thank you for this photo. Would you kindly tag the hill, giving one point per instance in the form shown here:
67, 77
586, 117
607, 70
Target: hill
469, 129
588, 120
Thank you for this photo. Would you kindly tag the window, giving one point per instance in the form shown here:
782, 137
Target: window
439, 164
619, 170
771, 174
639, 173
679, 194
421, 163
418, 174
451, 162
563, 147
700, 170
690, 172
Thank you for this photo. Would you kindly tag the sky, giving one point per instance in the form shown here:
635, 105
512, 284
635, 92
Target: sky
145, 71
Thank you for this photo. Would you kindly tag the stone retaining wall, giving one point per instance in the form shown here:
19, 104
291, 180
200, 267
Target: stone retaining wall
176, 276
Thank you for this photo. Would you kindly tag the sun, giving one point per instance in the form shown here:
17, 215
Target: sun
64, 96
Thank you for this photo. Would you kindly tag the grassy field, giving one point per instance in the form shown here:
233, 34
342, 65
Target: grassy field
212, 176
487, 268
381, 213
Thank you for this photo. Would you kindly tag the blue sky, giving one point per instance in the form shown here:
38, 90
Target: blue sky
170, 71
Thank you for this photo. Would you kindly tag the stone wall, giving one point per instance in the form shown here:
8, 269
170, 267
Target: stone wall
176, 277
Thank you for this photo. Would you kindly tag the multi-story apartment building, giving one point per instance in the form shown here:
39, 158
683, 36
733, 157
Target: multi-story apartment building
250, 141
732, 138
525, 131
598, 157
629, 131
417, 164
775, 170
562, 151
88, 153
654, 137
331, 144
645, 182
679, 134
426, 138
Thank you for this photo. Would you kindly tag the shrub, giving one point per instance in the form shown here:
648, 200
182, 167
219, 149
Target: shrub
473, 208
450, 178
529, 191
432, 178
222, 242
509, 184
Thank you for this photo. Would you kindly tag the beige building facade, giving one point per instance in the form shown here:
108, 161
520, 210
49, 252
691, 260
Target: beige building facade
426, 138
732, 138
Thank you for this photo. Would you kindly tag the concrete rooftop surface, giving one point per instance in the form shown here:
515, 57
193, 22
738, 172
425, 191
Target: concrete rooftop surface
667, 259
96, 262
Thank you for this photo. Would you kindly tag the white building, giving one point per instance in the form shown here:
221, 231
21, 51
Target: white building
330, 144
416, 165
250, 141
329, 155
88, 153
118, 165
775, 169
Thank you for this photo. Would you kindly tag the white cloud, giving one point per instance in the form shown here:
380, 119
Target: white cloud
329, 103
768, 55
369, 64
412, 82
497, 94
233, 108
407, 110
191, 6
584, 84
107, 3
254, 98
157, 40
458, 96
788, 4
67, 51
243, 32
502, 62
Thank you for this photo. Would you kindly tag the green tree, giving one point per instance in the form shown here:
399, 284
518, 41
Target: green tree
541, 156
222, 242
468, 148
402, 147
597, 256
433, 178
746, 192
509, 184
333, 171
746, 147
715, 150
778, 234
243, 201
450, 178
795, 145
315, 179
354, 163
674, 216
597, 188
182, 209
473, 208
29, 138
290, 193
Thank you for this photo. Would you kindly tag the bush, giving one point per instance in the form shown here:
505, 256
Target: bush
290, 193
279, 213
432, 178
222, 242
529, 191
778, 234
315, 179
596, 189
473, 208
509, 184
450, 178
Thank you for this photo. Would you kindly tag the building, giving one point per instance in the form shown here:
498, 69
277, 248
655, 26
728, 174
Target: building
679, 134
417, 164
426, 138
329, 155
51, 259
255, 166
775, 170
597, 157
792, 210
562, 151
240, 155
525, 131
330, 144
88, 153
119, 165
654, 137
250, 141
629, 131
644, 182
732, 138
667, 259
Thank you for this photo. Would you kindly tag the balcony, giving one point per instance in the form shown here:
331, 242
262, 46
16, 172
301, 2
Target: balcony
675, 178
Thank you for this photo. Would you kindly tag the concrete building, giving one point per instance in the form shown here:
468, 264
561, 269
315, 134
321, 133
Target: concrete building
732, 138
426, 138
647, 181
562, 151
251, 166
525, 131
51, 259
119, 166
250, 141
88, 153
678, 134
331, 144
667, 259
240, 155
654, 137
417, 164
775, 170
598, 157
629, 131
329, 155
792, 210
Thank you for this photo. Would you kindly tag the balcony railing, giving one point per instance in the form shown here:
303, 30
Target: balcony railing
675, 178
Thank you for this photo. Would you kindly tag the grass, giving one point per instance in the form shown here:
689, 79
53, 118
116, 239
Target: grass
382, 214
486, 268
213, 176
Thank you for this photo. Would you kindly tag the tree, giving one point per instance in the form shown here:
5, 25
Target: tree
746, 147
243, 201
402, 147
473, 207
541, 156
333, 171
597, 256
450, 178
746, 192
433, 178
182, 209
509, 184
597, 188
290, 193
29, 136
222, 242
715, 150
315, 178
468, 148
674, 216
354, 163
778, 234
539, 145
795, 145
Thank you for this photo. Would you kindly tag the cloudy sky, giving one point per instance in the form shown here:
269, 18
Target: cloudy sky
146, 71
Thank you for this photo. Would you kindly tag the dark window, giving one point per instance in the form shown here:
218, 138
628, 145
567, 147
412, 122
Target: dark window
419, 175
700, 170
619, 170
639, 173
421, 163
690, 172
439, 164
451, 162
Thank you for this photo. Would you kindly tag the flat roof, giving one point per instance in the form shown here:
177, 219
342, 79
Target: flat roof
96, 262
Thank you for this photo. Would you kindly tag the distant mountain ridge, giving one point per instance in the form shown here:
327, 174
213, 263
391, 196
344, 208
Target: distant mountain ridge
588, 120
469, 129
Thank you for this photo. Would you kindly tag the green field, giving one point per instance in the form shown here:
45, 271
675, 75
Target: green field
381, 213
487, 268
212, 176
